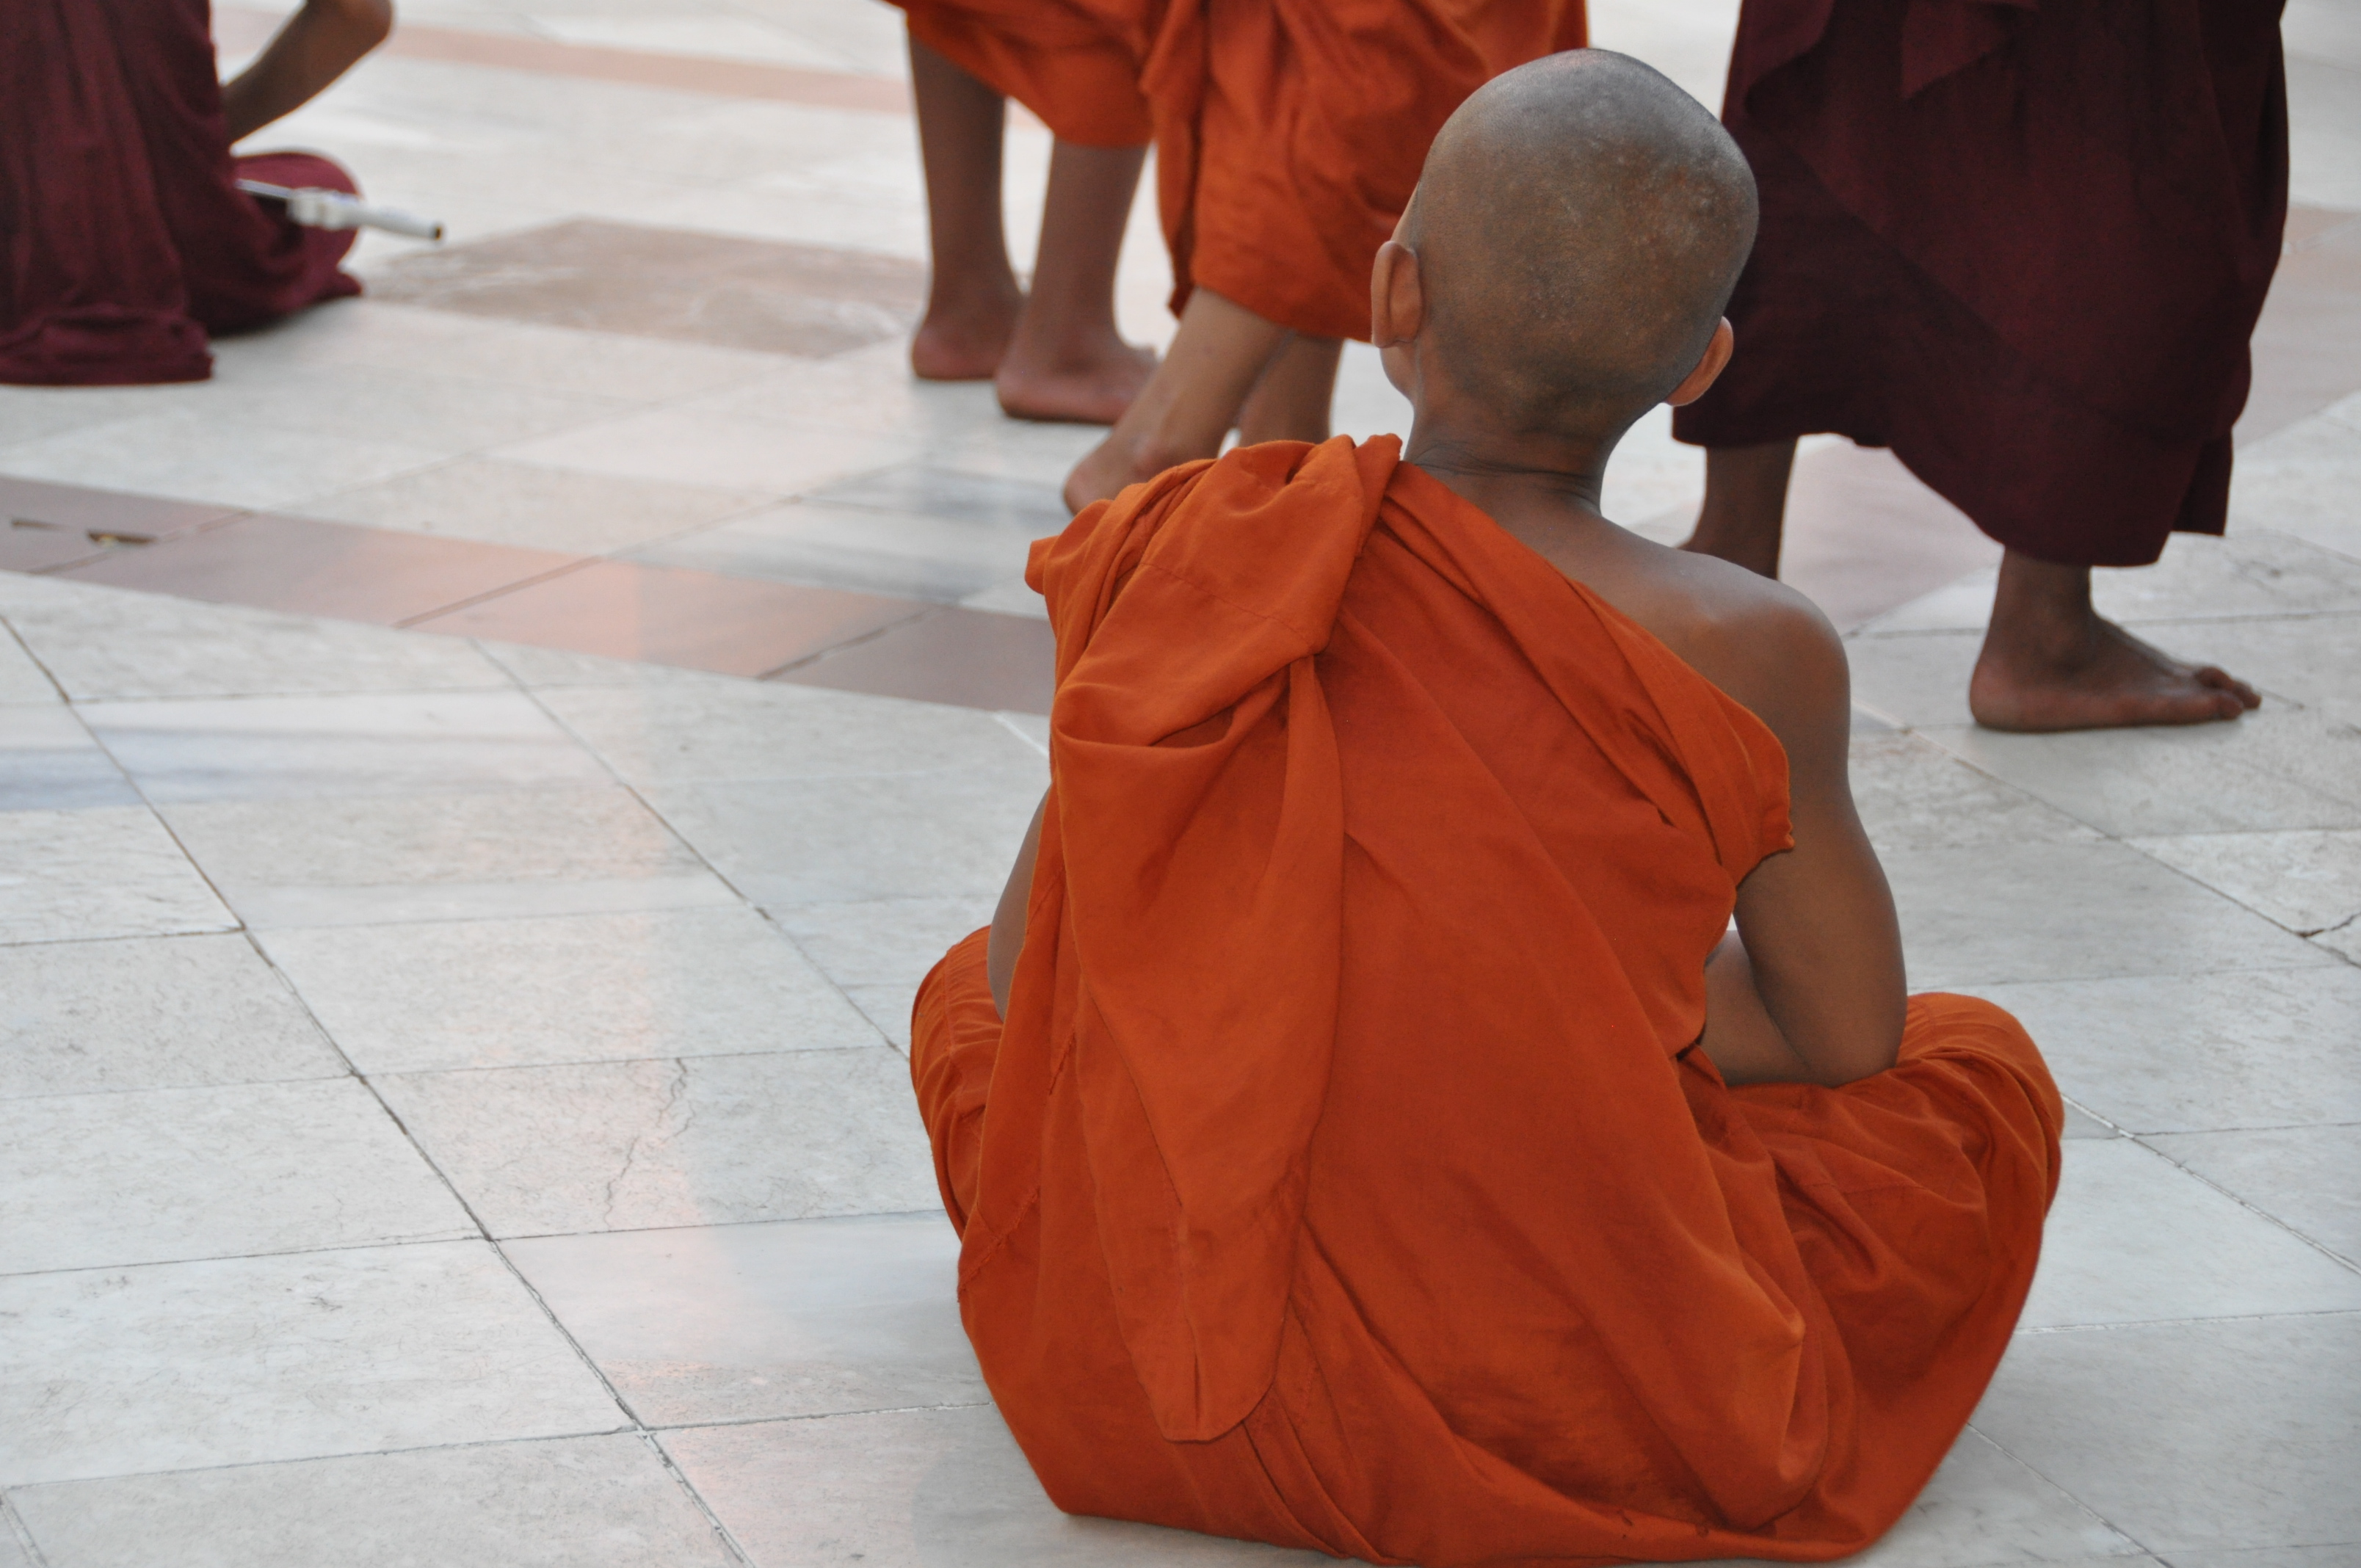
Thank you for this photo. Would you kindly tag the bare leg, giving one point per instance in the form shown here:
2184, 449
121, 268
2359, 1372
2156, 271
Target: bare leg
1191, 402
1066, 361
1745, 510
1291, 401
2051, 663
972, 296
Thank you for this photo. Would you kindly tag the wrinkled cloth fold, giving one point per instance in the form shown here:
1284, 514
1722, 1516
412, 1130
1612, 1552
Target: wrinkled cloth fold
127, 240
2025, 245
1341, 1177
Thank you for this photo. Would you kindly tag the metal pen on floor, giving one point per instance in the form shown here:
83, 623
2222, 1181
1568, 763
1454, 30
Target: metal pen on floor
316, 208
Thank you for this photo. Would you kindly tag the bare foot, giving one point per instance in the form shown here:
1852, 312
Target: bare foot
1106, 468
2051, 663
964, 339
1089, 384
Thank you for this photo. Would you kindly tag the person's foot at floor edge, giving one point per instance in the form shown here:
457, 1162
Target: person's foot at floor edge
2050, 662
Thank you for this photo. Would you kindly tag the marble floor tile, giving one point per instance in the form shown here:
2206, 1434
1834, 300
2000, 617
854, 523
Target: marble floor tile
887, 941
1032, 453
971, 657
167, 1175
371, 860
743, 731
382, 743
2302, 480
701, 1140
2199, 1052
2204, 778
375, 334
1915, 680
21, 679
306, 567
920, 489
581, 1502
49, 762
695, 287
887, 1006
2305, 659
481, 993
1987, 913
1865, 534
2342, 1555
671, 614
844, 547
100, 872
740, 1322
189, 454
1914, 795
1011, 596
534, 667
2134, 1238
2303, 1177
413, 407
814, 840
1983, 1507
240, 1361
943, 1489
2306, 881
853, 392
155, 1012
534, 508
2193, 1436
680, 448
109, 642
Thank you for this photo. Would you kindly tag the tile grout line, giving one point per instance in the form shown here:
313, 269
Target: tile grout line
632, 789
21, 1530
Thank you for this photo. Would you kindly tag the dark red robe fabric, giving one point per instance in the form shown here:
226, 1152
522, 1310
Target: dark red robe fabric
126, 238
2022, 244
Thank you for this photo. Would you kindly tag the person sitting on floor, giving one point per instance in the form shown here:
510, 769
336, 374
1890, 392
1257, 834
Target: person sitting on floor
1364, 1130
133, 241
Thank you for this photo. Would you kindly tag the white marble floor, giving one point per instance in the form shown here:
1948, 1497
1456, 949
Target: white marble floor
453, 1106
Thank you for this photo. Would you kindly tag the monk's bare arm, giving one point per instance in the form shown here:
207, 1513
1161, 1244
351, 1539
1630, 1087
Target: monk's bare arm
1810, 988
319, 43
1008, 921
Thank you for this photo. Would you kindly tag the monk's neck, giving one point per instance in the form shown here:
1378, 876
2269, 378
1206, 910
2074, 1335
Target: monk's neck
1512, 476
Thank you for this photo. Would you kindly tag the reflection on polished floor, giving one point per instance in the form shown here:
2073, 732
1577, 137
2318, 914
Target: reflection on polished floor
481, 779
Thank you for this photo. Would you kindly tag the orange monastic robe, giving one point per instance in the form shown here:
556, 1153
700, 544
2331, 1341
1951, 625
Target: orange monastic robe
1343, 1178
1289, 133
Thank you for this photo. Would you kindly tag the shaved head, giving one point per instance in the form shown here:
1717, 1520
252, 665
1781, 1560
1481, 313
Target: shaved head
1579, 225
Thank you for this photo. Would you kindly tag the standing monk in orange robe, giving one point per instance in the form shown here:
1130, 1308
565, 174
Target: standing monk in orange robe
2024, 245
1288, 138
1364, 1130
1051, 350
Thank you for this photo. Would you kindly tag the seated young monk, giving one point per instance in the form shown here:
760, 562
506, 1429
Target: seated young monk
1364, 1132
132, 240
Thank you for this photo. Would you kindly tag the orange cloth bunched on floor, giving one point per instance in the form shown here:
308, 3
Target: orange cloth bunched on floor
1341, 1177
1289, 133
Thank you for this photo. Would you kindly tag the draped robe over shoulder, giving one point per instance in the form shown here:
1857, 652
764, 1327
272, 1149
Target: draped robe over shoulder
1289, 133
127, 238
1342, 1177
2024, 244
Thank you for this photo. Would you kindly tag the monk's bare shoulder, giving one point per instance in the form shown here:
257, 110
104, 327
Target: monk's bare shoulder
1760, 640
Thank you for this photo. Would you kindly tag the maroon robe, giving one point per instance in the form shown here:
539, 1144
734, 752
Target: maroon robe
2021, 242
124, 238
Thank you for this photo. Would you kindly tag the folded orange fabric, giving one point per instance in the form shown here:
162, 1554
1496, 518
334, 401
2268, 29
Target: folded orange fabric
1341, 1177
1289, 133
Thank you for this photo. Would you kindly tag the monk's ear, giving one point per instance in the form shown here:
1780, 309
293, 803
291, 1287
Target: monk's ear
1396, 299
1709, 367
